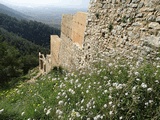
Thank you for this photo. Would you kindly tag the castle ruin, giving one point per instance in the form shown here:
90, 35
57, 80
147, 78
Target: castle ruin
109, 24
64, 49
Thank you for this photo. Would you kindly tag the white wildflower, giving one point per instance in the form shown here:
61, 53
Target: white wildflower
105, 91
136, 73
126, 93
115, 84
87, 91
75, 114
59, 112
94, 106
110, 97
97, 117
149, 89
120, 86
79, 85
121, 118
110, 64
110, 112
45, 109
137, 79
105, 105
60, 102
143, 85
110, 103
134, 88
71, 91
150, 101
158, 66
82, 100
146, 103
110, 88
22, 113
1, 111
156, 81
48, 111
105, 77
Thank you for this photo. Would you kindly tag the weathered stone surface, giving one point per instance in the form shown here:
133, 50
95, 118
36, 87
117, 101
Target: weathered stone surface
134, 5
140, 15
137, 24
147, 9
78, 27
152, 18
154, 25
158, 19
152, 40
55, 44
44, 63
135, 1
112, 26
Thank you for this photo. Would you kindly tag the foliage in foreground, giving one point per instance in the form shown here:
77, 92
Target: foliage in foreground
112, 91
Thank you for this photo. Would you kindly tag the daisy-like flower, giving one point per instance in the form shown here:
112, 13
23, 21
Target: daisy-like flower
111, 112
143, 85
149, 89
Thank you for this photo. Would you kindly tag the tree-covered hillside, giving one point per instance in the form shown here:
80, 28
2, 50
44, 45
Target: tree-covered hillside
18, 55
33, 31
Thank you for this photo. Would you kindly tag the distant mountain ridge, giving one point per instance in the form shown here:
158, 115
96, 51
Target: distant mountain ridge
11, 12
33, 31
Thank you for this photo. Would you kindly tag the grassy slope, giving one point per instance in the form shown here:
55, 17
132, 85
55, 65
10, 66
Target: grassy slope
114, 91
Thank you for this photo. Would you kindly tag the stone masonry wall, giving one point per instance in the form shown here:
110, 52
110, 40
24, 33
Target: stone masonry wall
78, 27
72, 35
121, 24
111, 26
66, 51
66, 25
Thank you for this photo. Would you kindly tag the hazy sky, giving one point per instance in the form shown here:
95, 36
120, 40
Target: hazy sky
77, 3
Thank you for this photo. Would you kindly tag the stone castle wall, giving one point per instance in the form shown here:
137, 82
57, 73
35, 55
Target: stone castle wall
72, 35
78, 28
121, 24
66, 51
109, 25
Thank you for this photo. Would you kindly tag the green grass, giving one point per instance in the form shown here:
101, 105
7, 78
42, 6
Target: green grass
108, 92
